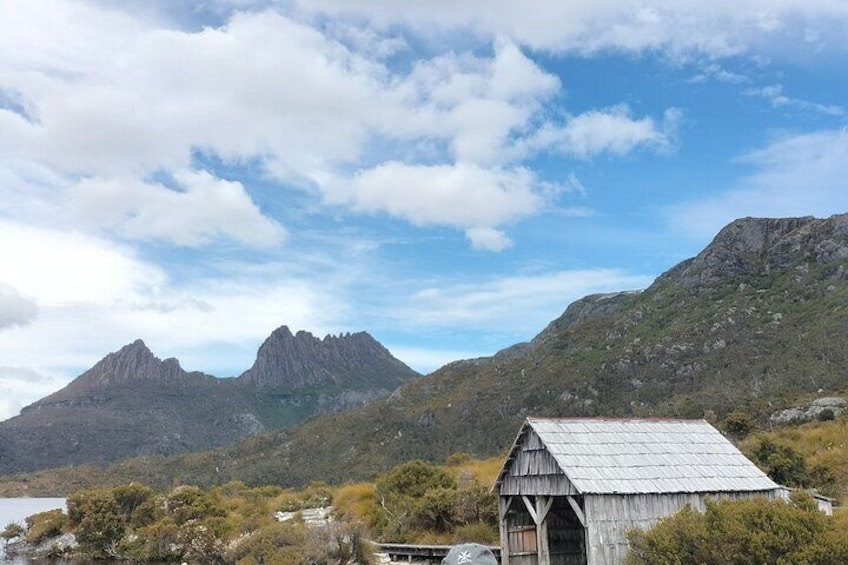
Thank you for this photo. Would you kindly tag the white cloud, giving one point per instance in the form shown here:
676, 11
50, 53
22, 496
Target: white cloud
206, 207
798, 175
59, 268
714, 71
15, 309
94, 296
113, 109
677, 27
774, 94
462, 195
611, 130
488, 239
20, 387
495, 303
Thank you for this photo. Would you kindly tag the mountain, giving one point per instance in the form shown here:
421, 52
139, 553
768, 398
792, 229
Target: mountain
758, 321
287, 362
132, 403
755, 322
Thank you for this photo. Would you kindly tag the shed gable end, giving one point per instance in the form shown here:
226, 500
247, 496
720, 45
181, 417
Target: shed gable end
533, 470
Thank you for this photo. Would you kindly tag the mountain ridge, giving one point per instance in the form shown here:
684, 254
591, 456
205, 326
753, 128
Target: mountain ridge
131, 403
755, 321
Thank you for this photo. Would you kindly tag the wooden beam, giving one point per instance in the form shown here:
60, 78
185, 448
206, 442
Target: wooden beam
503, 510
543, 549
543, 505
504, 502
577, 511
530, 509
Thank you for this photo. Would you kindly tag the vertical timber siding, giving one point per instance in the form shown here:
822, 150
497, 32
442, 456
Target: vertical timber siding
535, 471
610, 516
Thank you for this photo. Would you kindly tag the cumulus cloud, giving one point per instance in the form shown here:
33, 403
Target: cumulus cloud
461, 195
610, 131
203, 208
796, 175
101, 112
15, 309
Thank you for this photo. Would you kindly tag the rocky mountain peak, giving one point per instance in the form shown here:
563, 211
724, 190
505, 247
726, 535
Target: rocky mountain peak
133, 362
289, 362
750, 246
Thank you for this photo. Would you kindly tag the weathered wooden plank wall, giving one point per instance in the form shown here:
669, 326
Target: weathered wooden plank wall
609, 517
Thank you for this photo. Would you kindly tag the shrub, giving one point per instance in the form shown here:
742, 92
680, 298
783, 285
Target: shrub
186, 503
96, 520
436, 510
413, 479
737, 425
826, 415
746, 532
479, 532
45, 525
782, 463
11, 531
280, 542
156, 542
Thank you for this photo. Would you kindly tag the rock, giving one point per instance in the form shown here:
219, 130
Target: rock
752, 246
830, 402
287, 363
49, 548
834, 404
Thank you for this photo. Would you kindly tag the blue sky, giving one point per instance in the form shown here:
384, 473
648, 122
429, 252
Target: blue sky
447, 176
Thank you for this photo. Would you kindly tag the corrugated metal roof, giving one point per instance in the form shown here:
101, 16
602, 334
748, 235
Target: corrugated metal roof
646, 456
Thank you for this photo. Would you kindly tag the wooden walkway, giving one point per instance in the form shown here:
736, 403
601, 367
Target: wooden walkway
421, 553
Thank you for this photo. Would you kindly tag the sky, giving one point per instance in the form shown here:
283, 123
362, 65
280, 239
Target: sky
446, 175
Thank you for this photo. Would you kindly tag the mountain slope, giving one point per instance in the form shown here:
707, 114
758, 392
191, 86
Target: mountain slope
131, 403
755, 321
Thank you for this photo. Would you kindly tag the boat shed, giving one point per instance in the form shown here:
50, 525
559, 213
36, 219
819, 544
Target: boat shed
570, 489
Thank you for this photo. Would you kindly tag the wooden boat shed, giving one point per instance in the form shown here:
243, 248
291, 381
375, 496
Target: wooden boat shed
570, 489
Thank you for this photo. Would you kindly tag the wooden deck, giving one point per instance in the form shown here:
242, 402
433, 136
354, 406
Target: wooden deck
421, 553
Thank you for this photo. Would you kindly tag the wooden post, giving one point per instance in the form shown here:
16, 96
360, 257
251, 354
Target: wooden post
543, 504
503, 509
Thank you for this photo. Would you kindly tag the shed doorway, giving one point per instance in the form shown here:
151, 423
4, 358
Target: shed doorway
542, 530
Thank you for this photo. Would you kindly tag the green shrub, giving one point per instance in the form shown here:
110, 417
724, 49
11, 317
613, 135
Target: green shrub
156, 542
436, 510
45, 525
96, 520
479, 532
11, 531
746, 532
281, 542
413, 479
737, 425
